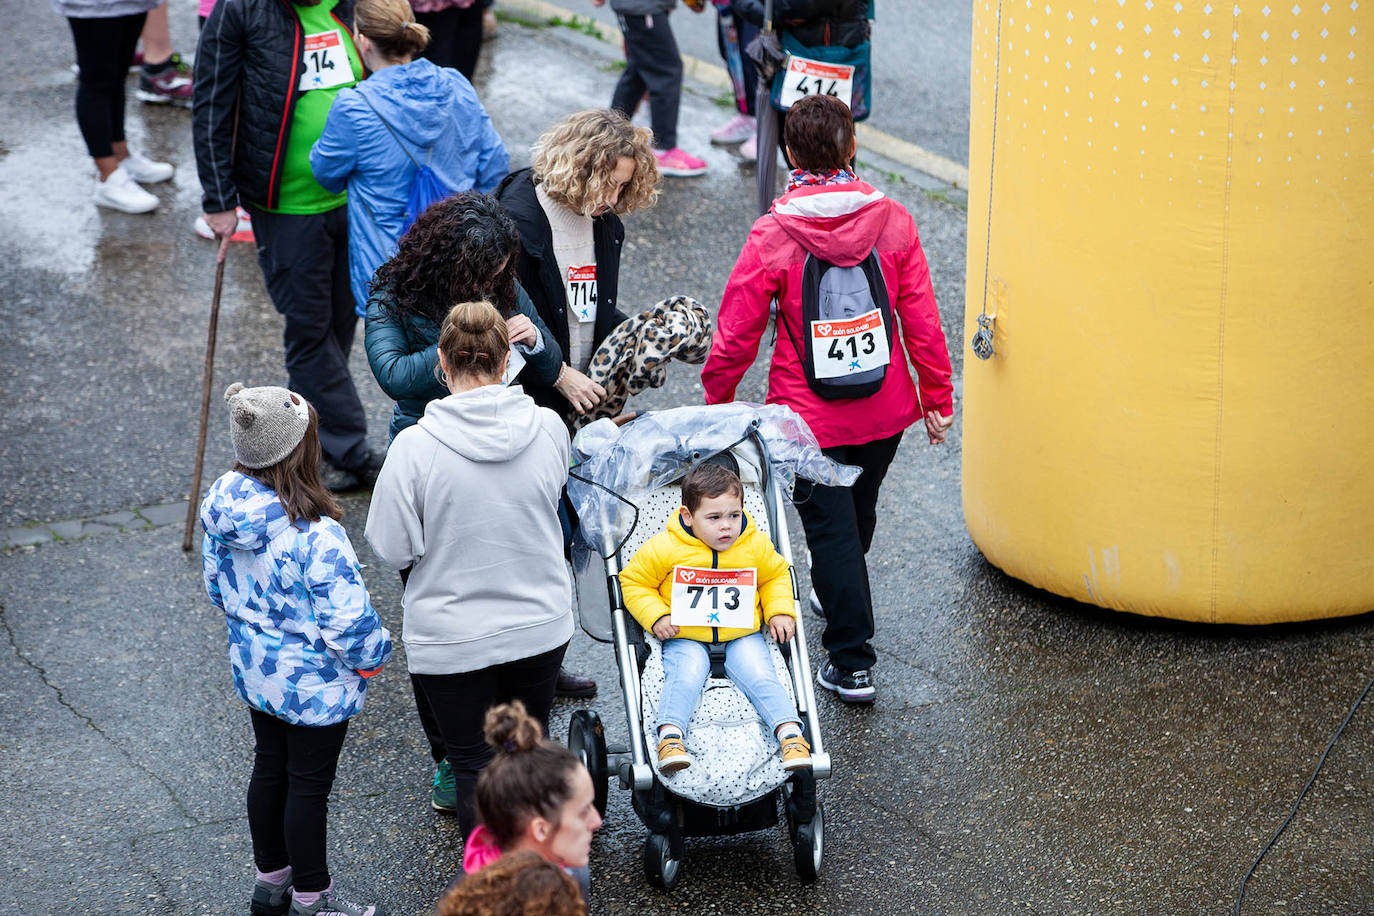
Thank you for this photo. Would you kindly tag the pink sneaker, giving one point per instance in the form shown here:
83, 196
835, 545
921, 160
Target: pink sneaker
678, 164
736, 130
749, 149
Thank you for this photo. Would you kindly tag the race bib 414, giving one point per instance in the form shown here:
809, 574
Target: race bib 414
713, 597
813, 77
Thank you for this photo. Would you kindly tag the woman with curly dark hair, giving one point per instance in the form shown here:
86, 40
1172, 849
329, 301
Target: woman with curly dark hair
462, 248
459, 250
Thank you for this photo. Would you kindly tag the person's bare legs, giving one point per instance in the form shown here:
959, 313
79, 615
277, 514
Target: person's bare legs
107, 164
157, 37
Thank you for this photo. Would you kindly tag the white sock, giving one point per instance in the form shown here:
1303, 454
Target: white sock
670, 731
790, 730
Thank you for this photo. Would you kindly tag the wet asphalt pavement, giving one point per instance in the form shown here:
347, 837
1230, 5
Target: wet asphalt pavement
1027, 754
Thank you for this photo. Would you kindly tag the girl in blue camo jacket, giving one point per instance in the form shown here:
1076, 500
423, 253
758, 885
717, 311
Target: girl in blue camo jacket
303, 638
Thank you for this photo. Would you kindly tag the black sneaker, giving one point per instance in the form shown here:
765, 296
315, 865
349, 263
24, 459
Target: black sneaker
337, 480
852, 686
368, 469
359, 476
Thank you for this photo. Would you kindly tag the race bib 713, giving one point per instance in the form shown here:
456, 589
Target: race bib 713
713, 597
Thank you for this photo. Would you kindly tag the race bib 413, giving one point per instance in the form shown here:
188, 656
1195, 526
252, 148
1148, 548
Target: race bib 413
849, 345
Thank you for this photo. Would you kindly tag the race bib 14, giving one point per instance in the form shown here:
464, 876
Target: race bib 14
713, 597
324, 63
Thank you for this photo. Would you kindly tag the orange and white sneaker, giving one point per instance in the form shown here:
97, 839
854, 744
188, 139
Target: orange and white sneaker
673, 756
796, 753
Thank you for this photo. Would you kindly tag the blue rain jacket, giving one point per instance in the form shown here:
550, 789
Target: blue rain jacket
439, 118
301, 625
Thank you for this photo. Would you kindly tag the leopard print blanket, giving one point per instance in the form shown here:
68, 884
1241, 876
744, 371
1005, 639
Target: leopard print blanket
635, 355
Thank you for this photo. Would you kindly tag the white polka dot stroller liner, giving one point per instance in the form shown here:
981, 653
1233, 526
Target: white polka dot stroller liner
736, 782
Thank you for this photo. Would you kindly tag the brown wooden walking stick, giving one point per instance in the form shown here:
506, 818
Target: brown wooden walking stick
193, 501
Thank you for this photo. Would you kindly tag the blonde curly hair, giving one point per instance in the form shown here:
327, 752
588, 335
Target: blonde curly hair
575, 160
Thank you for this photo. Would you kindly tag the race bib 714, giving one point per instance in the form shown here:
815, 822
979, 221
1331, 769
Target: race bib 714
582, 292
713, 597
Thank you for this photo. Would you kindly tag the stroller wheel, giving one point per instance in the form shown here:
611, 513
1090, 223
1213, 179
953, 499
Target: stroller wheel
808, 845
587, 740
659, 865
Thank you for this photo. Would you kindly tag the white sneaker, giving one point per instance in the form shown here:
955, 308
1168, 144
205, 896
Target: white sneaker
146, 171
121, 192
749, 149
736, 130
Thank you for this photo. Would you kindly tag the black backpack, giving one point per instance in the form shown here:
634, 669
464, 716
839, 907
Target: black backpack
834, 299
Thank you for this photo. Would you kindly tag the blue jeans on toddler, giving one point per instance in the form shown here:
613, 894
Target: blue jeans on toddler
748, 663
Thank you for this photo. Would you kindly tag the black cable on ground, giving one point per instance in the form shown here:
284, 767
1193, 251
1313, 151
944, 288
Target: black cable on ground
1292, 814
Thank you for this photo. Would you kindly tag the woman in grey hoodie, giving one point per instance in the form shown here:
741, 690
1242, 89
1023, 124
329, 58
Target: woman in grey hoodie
467, 503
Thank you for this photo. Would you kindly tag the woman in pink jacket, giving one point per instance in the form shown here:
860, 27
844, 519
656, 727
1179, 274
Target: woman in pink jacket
846, 268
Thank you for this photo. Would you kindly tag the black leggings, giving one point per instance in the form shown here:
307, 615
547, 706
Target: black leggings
453, 707
288, 797
104, 51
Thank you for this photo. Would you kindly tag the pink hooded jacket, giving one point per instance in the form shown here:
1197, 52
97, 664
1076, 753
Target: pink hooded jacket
840, 223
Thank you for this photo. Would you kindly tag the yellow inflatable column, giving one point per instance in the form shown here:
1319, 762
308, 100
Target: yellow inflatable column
1171, 233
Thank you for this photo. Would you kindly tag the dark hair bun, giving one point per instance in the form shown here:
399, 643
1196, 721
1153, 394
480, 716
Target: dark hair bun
510, 729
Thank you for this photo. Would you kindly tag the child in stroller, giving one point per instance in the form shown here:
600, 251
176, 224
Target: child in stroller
712, 578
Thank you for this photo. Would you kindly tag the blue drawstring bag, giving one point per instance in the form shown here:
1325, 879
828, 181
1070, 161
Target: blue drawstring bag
426, 188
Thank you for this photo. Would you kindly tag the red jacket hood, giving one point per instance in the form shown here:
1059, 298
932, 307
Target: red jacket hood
838, 223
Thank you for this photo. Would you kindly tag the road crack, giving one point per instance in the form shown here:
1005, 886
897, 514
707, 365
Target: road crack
87, 720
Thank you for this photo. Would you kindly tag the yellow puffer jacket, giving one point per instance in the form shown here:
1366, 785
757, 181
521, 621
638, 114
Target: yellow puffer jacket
647, 580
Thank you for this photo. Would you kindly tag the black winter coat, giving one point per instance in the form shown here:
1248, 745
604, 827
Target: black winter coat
815, 23
247, 69
537, 270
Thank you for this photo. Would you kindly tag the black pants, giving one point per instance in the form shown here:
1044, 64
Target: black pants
839, 523
104, 51
652, 63
288, 797
455, 37
304, 259
453, 706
